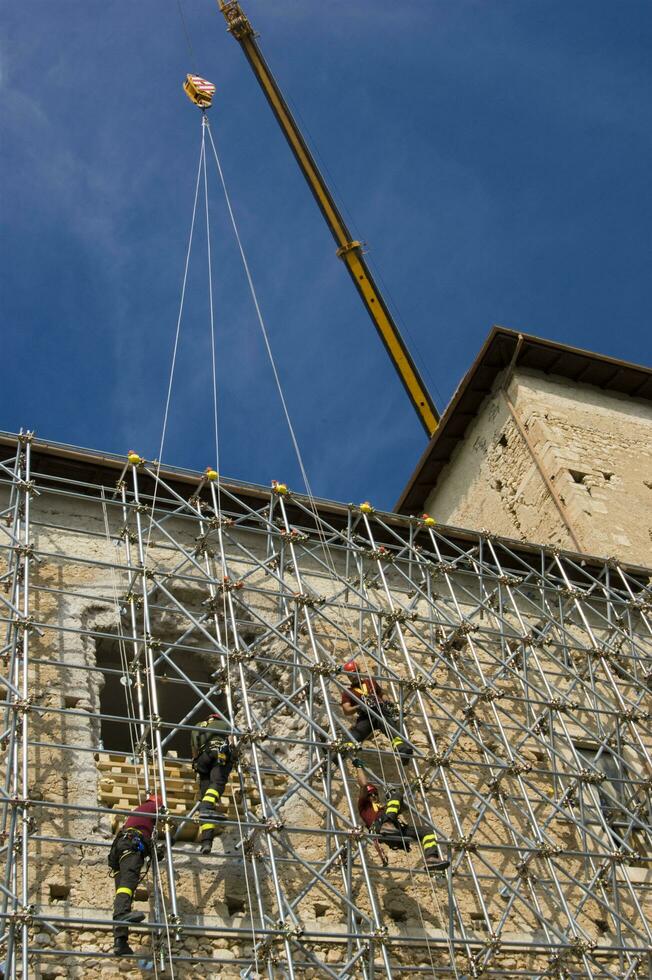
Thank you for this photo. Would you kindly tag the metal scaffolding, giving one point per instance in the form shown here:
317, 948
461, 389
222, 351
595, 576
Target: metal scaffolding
521, 674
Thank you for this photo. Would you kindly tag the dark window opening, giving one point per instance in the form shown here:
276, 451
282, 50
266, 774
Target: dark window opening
59, 893
577, 476
479, 922
235, 906
398, 915
176, 697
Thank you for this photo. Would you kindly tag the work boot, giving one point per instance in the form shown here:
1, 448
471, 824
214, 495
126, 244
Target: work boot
129, 917
206, 847
122, 948
435, 863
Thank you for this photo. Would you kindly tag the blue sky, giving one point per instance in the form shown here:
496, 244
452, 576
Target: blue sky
495, 156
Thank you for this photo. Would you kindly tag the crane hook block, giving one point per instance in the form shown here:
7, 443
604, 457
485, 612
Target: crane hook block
199, 91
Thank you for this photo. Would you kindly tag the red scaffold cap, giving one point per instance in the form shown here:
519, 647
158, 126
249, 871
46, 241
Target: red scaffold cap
351, 667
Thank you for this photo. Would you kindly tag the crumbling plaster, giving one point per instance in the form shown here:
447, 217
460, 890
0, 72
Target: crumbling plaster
595, 448
73, 601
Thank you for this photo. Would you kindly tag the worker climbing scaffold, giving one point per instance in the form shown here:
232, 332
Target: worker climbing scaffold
382, 820
212, 760
130, 853
373, 710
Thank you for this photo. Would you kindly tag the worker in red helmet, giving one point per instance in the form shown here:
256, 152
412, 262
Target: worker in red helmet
131, 847
212, 760
382, 819
373, 710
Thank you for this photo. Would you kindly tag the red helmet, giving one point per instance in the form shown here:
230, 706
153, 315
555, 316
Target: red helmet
155, 798
215, 714
350, 667
371, 789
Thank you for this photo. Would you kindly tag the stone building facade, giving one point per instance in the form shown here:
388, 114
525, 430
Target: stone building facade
548, 444
135, 600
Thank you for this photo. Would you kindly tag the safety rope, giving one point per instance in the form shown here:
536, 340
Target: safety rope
259, 315
409, 797
270, 354
175, 346
157, 778
222, 558
312, 502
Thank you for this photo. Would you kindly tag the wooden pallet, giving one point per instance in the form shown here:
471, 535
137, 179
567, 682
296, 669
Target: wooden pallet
119, 787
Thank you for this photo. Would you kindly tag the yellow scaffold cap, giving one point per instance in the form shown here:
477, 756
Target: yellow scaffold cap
210, 473
134, 458
366, 508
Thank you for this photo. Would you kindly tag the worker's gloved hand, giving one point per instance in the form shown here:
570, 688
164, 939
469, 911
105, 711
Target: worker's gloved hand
160, 852
356, 763
370, 701
390, 710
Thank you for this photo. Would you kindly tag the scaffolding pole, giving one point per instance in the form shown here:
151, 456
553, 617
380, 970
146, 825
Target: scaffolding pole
522, 678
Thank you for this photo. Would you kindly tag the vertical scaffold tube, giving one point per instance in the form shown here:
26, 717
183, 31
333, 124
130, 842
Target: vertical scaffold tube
154, 716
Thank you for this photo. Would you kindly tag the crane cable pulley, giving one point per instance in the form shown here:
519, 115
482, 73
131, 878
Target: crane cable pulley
199, 90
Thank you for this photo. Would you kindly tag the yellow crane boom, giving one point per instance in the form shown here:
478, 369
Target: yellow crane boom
349, 251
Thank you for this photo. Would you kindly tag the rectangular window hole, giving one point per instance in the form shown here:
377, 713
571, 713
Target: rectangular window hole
176, 697
607, 476
236, 906
577, 476
398, 915
141, 894
320, 909
58, 892
70, 701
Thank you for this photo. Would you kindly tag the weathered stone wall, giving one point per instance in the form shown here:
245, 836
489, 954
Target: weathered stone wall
78, 596
595, 447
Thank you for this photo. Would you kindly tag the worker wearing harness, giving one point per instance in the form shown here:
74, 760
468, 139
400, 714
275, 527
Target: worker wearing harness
365, 696
383, 820
131, 847
212, 760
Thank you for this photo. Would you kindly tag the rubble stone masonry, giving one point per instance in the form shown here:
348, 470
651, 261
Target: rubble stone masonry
543, 437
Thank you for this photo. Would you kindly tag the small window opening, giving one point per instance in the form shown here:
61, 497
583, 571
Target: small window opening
320, 909
397, 915
607, 476
58, 892
577, 476
503, 440
235, 906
